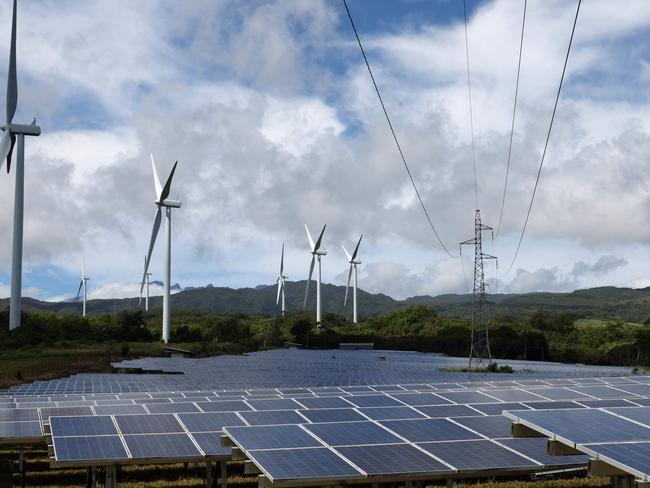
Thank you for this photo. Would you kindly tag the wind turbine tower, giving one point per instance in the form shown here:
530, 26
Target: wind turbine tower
15, 133
316, 253
147, 274
162, 202
352, 259
281, 282
84, 284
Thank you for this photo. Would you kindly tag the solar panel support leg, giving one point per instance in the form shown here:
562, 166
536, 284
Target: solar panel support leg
224, 475
21, 465
208, 475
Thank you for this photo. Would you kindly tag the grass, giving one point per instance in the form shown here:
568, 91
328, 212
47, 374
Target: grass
575, 482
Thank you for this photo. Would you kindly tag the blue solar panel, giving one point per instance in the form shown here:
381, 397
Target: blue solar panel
448, 411
328, 402
607, 403
89, 449
274, 404
223, 406
77, 426
48, 412
18, 414
639, 414
352, 433
332, 415
579, 425
20, 429
392, 460
271, 437
560, 393
552, 405
148, 424
272, 417
537, 448
120, 409
476, 455
302, 464
493, 426
415, 399
209, 421
497, 408
635, 456
466, 397
210, 444
636, 389
373, 401
390, 413
161, 446
422, 430
514, 395
602, 392
172, 407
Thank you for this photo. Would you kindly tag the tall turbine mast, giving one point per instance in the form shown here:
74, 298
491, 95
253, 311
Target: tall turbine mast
281, 282
12, 133
316, 253
84, 284
480, 337
162, 192
352, 259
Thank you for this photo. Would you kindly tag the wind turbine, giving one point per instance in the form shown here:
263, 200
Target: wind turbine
15, 133
162, 192
352, 259
316, 253
84, 284
281, 282
146, 276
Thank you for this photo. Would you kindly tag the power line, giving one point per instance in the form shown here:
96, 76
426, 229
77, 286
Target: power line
390, 125
512, 126
548, 136
471, 115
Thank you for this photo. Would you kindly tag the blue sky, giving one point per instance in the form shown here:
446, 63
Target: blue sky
271, 114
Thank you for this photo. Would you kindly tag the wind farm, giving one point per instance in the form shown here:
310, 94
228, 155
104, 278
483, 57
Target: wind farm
373, 144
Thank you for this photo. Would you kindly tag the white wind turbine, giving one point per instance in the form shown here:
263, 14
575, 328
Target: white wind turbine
12, 133
281, 282
316, 253
84, 284
352, 259
147, 274
162, 192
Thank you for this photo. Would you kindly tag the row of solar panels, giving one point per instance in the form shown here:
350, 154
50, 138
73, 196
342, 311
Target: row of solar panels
618, 436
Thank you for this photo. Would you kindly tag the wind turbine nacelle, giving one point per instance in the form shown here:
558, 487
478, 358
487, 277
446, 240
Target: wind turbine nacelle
356, 261
320, 253
171, 203
28, 130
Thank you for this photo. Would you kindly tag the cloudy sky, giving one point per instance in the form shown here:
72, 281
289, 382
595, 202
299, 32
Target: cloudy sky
270, 112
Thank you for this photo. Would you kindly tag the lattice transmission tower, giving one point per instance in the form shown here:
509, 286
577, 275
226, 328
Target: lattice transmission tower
480, 338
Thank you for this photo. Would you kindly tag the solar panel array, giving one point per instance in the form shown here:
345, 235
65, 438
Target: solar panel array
621, 437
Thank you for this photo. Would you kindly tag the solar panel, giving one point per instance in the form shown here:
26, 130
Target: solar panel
373, 401
172, 407
422, 430
578, 425
271, 437
476, 455
560, 393
210, 444
606, 403
223, 406
497, 408
537, 448
332, 415
89, 449
634, 456
514, 395
272, 417
415, 399
274, 404
467, 397
161, 446
448, 411
603, 392
352, 433
209, 421
638, 414
119, 409
551, 405
82, 426
328, 402
393, 459
636, 389
494, 426
148, 424
20, 429
303, 464
48, 412
388, 413
18, 414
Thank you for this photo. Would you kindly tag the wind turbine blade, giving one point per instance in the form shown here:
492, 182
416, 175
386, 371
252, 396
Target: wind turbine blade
79, 291
311, 241
347, 254
311, 272
12, 143
154, 234
168, 184
277, 300
320, 238
347, 287
156, 179
5, 147
282, 260
356, 249
12, 82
